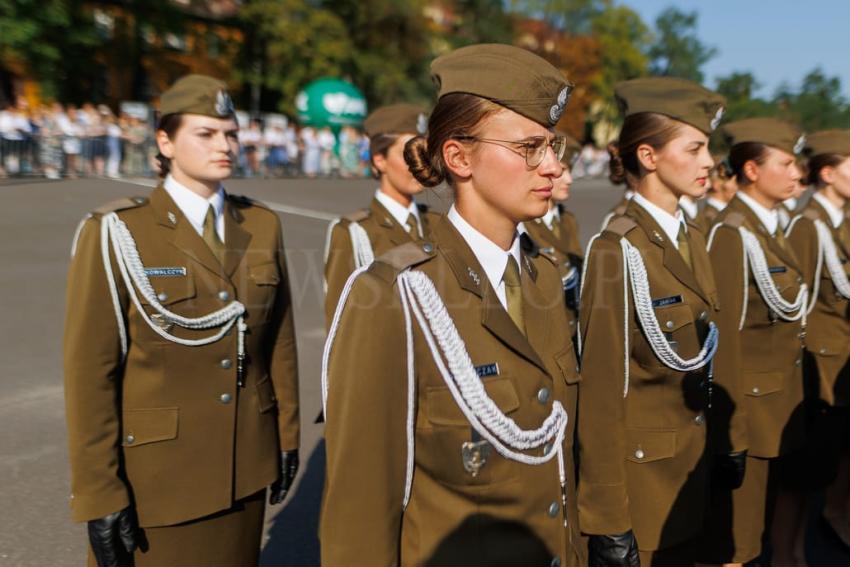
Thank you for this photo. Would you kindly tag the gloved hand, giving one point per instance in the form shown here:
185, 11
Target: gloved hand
729, 469
106, 533
619, 550
288, 470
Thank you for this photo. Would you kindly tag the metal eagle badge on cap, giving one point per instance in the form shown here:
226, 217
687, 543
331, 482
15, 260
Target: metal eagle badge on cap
715, 122
224, 104
557, 109
801, 143
421, 124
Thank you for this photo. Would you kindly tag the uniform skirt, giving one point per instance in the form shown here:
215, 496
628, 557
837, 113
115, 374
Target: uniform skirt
228, 538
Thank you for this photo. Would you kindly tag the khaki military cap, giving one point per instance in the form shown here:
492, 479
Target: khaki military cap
510, 76
396, 119
768, 131
197, 94
828, 142
679, 99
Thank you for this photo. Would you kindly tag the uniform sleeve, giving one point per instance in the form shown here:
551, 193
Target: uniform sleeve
92, 375
602, 497
803, 239
284, 358
365, 431
338, 267
729, 420
571, 225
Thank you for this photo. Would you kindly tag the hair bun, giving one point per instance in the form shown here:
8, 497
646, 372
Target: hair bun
616, 169
419, 162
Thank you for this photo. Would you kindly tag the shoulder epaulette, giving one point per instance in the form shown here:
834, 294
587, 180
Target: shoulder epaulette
357, 216
120, 205
244, 201
621, 226
734, 219
390, 264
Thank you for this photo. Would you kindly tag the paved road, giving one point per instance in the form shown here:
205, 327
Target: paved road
36, 223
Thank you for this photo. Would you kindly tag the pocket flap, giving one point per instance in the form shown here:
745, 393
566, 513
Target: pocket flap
443, 409
143, 426
673, 317
759, 384
265, 274
566, 361
647, 445
171, 289
266, 399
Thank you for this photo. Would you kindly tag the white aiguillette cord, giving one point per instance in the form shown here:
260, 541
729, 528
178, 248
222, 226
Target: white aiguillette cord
115, 234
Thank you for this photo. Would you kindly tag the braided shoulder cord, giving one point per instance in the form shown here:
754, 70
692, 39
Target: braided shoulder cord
745, 272
361, 245
331, 226
77, 232
828, 252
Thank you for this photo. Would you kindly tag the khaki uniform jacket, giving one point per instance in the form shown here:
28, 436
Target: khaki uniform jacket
828, 326
616, 211
451, 514
643, 454
567, 251
708, 214
384, 233
770, 361
168, 429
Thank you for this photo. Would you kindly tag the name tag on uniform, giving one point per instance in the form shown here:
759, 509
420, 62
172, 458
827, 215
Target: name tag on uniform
485, 370
777, 269
664, 301
177, 271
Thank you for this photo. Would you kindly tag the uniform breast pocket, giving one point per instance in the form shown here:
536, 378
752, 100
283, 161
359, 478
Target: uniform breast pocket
676, 322
567, 363
264, 279
171, 290
150, 425
447, 448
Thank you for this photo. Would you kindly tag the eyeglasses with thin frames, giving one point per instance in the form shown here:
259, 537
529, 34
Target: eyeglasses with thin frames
532, 149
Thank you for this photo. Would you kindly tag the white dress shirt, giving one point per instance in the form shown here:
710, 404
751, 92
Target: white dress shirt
768, 217
398, 211
194, 207
669, 223
492, 258
550, 217
836, 215
716, 203
689, 206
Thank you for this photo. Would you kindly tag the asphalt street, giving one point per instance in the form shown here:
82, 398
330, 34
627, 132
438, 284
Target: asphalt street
37, 221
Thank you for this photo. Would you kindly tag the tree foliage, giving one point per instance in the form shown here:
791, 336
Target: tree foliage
677, 51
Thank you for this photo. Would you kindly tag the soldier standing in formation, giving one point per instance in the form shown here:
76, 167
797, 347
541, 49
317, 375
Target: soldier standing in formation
720, 192
763, 295
393, 217
648, 339
451, 380
181, 381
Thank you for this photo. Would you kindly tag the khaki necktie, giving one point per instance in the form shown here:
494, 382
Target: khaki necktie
211, 235
684, 245
412, 226
513, 292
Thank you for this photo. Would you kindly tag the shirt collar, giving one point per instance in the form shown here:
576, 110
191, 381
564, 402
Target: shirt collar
716, 203
689, 206
669, 223
836, 215
550, 217
193, 206
768, 217
491, 257
398, 212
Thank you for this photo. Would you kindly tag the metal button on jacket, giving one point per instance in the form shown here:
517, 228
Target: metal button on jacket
543, 395
226, 363
162, 296
669, 324
556, 562
130, 439
427, 247
223, 295
699, 420
639, 454
553, 510
756, 390
225, 398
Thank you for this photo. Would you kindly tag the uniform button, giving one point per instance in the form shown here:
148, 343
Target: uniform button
225, 398
225, 363
130, 439
699, 420
427, 247
572, 324
162, 296
703, 316
578, 369
798, 362
546, 448
139, 200
556, 562
639, 454
223, 295
822, 351
669, 324
801, 336
553, 510
756, 390
543, 395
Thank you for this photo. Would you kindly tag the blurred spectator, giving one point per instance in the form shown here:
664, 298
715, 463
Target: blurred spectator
312, 151
349, 152
251, 138
327, 144
15, 137
277, 159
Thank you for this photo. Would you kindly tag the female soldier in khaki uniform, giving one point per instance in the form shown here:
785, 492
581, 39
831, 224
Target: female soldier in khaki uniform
723, 188
556, 233
820, 238
450, 374
181, 382
761, 287
393, 217
648, 335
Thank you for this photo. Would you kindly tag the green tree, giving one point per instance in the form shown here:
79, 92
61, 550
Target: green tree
481, 21
677, 51
572, 16
739, 89
817, 105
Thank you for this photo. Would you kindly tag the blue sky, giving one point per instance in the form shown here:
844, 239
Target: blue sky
776, 40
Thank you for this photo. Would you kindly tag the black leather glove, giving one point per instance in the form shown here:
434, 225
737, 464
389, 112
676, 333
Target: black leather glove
729, 469
288, 470
114, 538
619, 550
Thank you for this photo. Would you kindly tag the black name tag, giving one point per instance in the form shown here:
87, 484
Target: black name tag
665, 301
165, 272
485, 370
777, 269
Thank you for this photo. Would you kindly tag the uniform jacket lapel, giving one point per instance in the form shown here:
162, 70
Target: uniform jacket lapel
396, 233
236, 238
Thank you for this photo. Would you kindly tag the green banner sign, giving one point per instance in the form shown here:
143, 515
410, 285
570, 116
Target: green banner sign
331, 102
